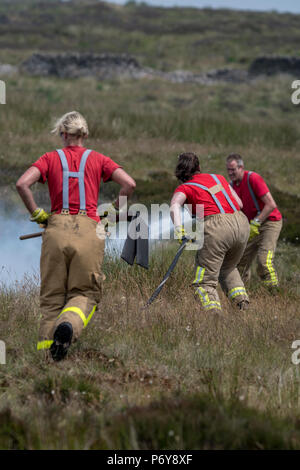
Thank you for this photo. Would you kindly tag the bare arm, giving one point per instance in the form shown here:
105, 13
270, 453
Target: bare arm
126, 182
176, 204
31, 176
269, 206
238, 200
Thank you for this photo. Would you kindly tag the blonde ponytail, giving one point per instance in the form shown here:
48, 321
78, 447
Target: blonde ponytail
72, 123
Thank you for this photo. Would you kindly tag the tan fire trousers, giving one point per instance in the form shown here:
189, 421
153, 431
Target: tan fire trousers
225, 239
263, 247
71, 277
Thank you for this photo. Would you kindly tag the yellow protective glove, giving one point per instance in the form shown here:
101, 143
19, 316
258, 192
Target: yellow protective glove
110, 216
254, 226
180, 233
39, 216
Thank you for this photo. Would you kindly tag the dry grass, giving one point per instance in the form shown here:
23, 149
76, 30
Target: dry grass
134, 368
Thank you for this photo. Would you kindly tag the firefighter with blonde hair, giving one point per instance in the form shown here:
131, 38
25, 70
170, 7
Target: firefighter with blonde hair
72, 250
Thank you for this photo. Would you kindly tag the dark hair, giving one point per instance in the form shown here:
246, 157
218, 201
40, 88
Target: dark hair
188, 164
235, 157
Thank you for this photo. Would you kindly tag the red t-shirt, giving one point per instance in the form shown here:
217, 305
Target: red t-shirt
259, 189
196, 195
97, 166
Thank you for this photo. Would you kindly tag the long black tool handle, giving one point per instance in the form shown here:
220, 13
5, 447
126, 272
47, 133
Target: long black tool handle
39, 234
31, 235
168, 273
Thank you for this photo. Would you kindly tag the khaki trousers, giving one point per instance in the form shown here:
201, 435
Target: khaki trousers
71, 277
263, 247
225, 239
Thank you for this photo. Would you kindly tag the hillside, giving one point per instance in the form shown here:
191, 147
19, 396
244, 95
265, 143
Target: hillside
167, 39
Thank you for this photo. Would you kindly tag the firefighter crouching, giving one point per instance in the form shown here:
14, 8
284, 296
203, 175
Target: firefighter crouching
72, 251
264, 218
226, 231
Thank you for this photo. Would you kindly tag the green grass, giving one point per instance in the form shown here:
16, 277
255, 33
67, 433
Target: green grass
167, 39
144, 125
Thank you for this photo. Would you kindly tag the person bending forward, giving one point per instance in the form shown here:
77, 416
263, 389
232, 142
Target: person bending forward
226, 231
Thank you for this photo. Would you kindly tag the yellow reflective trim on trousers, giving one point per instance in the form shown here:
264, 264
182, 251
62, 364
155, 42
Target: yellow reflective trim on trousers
199, 275
237, 291
206, 302
44, 344
203, 296
270, 265
74, 310
80, 313
216, 307
90, 315
273, 277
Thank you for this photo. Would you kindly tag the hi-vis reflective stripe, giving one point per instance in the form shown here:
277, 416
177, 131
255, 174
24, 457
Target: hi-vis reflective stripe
199, 275
273, 277
80, 313
73, 174
44, 344
237, 291
252, 193
215, 190
206, 302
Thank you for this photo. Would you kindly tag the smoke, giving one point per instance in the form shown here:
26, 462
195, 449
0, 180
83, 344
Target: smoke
21, 258
18, 258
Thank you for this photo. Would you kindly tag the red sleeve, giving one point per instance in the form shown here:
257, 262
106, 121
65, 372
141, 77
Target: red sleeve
108, 167
42, 164
182, 189
258, 185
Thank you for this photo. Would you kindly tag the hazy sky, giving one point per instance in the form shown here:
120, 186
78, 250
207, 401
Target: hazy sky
292, 6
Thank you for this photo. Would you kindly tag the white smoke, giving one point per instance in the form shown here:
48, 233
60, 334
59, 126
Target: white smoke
18, 258
21, 258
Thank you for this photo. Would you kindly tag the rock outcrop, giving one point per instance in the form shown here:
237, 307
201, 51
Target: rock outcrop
7, 69
74, 65
275, 64
112, 66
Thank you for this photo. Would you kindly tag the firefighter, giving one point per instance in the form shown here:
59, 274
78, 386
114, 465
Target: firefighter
264, 218
72, 251
226, 231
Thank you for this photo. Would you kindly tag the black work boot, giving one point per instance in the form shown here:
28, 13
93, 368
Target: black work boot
61, 341
243, 305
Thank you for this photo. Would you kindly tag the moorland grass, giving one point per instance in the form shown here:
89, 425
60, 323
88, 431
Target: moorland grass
164, 378
143, 125
167, 39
